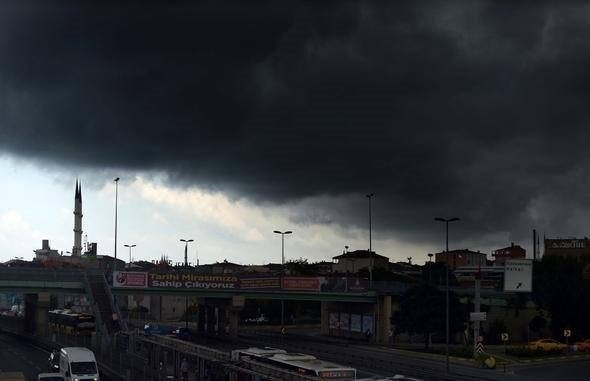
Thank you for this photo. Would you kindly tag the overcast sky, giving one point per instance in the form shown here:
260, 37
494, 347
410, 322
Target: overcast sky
228, 120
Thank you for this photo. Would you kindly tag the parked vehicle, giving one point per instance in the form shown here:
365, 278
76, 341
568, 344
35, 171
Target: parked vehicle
158, 329
76, 363
184, 334
547, 345
50, 377
583, 346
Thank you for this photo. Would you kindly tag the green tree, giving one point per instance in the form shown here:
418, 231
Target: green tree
559, 288
422, 310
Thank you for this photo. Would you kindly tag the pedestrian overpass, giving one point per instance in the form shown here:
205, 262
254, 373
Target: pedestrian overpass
228, 291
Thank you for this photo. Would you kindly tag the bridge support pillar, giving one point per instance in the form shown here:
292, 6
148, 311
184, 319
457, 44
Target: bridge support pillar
233, 315
325, 318
383, 312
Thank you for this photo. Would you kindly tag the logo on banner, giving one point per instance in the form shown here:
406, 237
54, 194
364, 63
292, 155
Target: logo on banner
130, 279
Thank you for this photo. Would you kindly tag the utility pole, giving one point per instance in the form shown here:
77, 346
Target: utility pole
283, 269
446, 221
370, 196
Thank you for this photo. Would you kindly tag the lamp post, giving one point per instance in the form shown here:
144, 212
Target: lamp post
446, 221
186, 241
283, 269
430, 268
129, 246
370, 197
116, 205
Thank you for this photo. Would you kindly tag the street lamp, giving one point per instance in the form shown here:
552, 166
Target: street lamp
129, 246
446, 221
370, 196
430, 267
116, 204
283, 269
283, 245
186, 241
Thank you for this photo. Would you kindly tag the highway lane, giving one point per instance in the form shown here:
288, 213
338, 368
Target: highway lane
570, 371
379, 359
19, 356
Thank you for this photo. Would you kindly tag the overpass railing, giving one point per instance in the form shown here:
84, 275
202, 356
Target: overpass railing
41, 274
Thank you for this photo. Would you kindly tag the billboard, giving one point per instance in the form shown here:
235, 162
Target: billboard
260, 283
130, 279
301, 283
192, 281
356, 322
518, 275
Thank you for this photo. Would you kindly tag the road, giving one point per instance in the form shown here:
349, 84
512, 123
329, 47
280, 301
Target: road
379, 359
18, 356
571, 371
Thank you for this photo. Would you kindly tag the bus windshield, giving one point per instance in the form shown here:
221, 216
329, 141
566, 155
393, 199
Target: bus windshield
87, 367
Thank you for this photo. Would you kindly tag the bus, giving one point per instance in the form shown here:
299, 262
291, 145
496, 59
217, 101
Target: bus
297, 362
71, 323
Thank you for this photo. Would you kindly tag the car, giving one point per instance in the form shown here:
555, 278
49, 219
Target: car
583, 346
184, 334
547, 345
258, 320
50, 377
157, 329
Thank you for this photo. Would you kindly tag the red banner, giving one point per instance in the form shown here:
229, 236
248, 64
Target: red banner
301, 283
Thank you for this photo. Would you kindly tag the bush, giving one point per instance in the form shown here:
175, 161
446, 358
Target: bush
527, 352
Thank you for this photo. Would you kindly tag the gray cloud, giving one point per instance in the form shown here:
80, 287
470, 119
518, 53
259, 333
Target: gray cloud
477, 108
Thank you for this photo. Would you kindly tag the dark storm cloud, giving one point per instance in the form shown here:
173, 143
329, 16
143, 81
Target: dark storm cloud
473, 108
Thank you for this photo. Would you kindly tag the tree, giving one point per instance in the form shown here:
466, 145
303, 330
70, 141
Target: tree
559, 288
422, 310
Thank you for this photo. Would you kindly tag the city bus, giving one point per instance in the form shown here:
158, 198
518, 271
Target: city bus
297, 362
71, 323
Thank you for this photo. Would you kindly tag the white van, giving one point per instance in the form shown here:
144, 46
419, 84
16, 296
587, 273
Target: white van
78, 364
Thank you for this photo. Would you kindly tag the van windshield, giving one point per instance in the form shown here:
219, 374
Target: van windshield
88, 367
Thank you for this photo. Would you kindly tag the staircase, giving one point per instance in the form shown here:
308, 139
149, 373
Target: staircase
103, 303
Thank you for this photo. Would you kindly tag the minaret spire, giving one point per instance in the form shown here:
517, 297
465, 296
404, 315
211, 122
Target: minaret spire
77, 249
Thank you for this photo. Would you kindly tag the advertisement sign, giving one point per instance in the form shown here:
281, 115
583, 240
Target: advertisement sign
129, 279
368, 324
334, 320
518, 275
301, 283
344, 321
566, 243
355, 322
357, 285
192, 281
260, 283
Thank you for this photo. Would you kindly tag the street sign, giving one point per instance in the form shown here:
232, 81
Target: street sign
567, 333
518, 275
477, 316
505, 336
479, 348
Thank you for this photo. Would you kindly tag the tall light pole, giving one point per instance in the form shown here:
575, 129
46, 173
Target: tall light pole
116, 205
370, 196
430, 268
446, 221
129, 246
283, 269
186, 241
